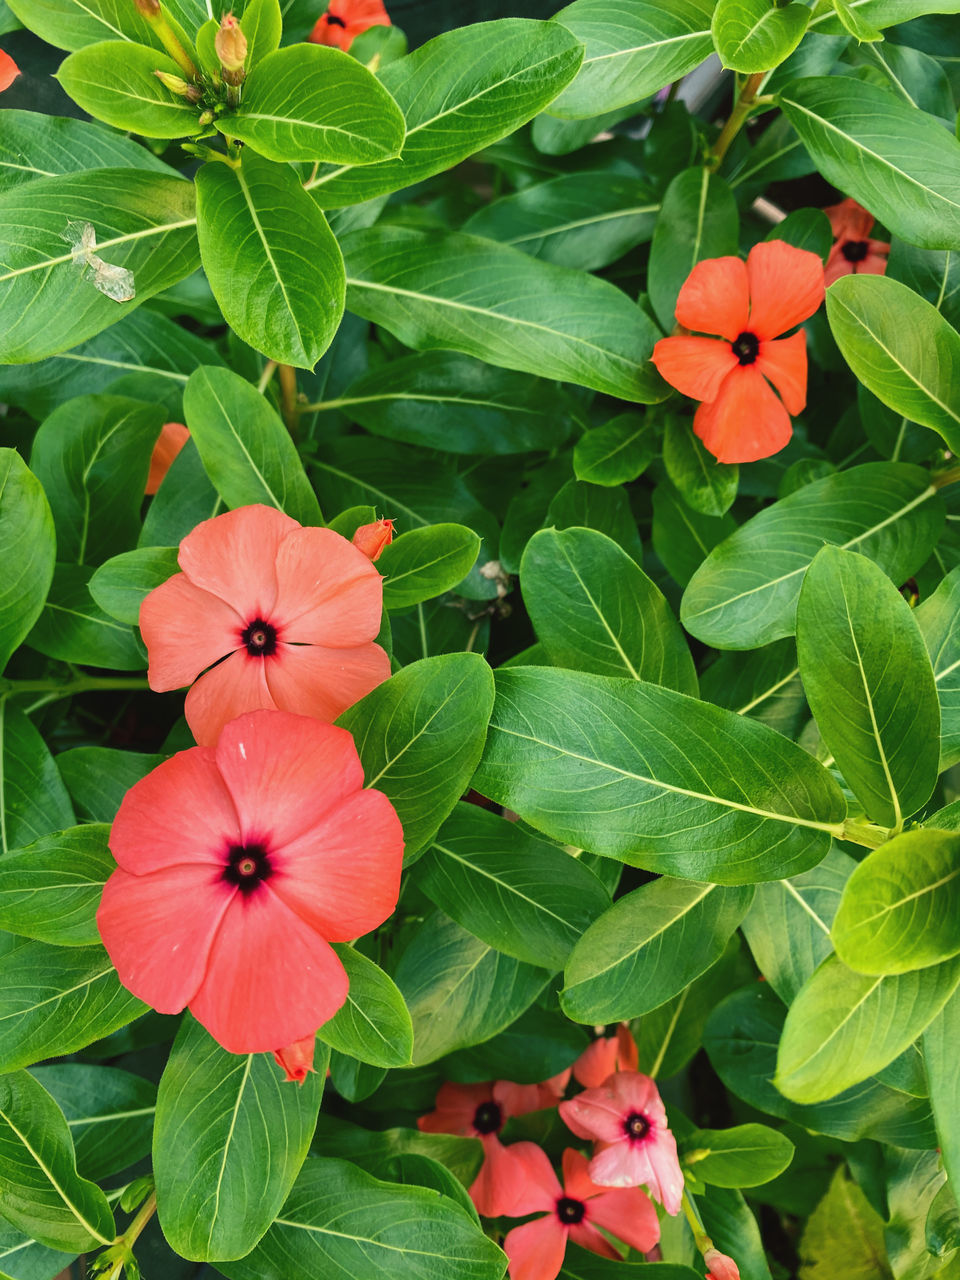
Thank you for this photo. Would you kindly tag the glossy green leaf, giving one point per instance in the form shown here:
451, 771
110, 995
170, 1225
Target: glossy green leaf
869, 684
262, 24
42, 1192
273, 263
442, 289
698, 220
682, 537
633, 48
901, 348
844, 1027
942, 1226
601, 508
340, 1220
594, 609
649, 946
109, 1113
143, 222
459, 990
231, 1136
616, 452
425, 563
845, 1230
579, 1264
941, 1051
708, 486
98, 778
459, 93
374, 1025
308, 102
39, 146
51, 889
745, 593
420, 735
375, 1150
72, 24
113, 80
938, 618
879, 13
27, 549
73, 628
854, 23
633, 771
933, 273
763, 683
753, 35
34, 801
245, 448
521, 895
897, 161
900, 907
121, 583
745, 1156
185, 497
541, 1043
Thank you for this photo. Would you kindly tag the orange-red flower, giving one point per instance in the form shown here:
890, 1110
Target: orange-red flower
8, 71
344, 20
237, 869
748, 304
284, 617
720, 1266
605, 1056
297, 1059
169, 443
853, 252
372, 538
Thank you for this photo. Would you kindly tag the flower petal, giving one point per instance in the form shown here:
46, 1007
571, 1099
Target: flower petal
159, 950
786, 287
455, 1107
539, 1187
746, 421
715, 298
234, 556
628, 1214
320, 682
588, 1237
500, 1184
185, 630
328, 592
296, 1060
286, 773
875, 263
577, 1182
181, 812
695, 366
536, 1249
230, 689
173, 436
849, 220
8, 71
837, 265
591, 1116
343, 876
784, 362
270, 978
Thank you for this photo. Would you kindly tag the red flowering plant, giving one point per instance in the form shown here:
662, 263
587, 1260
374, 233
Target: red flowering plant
479, 661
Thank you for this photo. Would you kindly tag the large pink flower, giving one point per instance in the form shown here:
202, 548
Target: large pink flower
574, 1211
625, 1117
283, 616
238, 867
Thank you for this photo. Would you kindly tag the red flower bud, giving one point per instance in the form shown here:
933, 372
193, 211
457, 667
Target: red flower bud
372, 538
720, 1266
296, 1059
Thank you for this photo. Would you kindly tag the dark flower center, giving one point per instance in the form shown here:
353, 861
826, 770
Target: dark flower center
488, 1118
248, 865
260, 639
855, 250
746, 347
636, 1126
569, 1211
334, 21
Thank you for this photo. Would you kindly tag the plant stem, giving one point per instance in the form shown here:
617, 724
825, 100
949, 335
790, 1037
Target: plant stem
865, 833
269, 369
66, 688
288, 396
701, 1239
945, 477
746, 100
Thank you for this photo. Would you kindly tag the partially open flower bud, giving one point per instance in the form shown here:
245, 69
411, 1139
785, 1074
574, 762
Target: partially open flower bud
149, 8
231, 45
720, 1266
372, 538
296, 1059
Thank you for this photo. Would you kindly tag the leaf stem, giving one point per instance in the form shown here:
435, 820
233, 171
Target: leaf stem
746, 101
865, 833
119, 1257
951, 476
288, 396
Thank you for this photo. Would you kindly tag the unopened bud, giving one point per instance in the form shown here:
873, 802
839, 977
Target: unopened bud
179, 86
372, 538
231, 47
206, 117
149, 8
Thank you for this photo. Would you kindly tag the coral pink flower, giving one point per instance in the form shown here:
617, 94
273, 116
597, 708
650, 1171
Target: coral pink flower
372, 538
297, 1059
293, 611
238, 867
720, 1266
626, 1118
574, 1211
8, 71
741, 419
344, 20
853, 252
171, 440
605, 1056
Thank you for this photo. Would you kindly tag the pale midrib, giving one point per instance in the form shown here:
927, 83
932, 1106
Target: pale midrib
909, 897
376, 1243
277, 274
226, 1147
634, 674
547, 232
410, 741
83, 1121
645, 48
668, 1034
451, 399
126, 238
852, 1012
511, 889
246, 453
645, 942
121, 364
898, 815
60, 995
422, 567
806, 906
761, 21
768, 693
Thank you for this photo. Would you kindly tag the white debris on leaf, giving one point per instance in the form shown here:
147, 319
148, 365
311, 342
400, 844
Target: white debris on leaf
114, 282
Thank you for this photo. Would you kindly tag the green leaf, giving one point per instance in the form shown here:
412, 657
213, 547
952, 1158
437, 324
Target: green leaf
55, 1000
518, 894
616, 452
51, 889
444, 289
339, 1220
425, 563
245, 448
99, 777
114, 81
578, 1264
585, 220
92, 456
459, 990
897, 161
273, 263
941, 1048
594, 609
601, 508
33, 799
934, 274
460, 92
706, 485
231, 1136
844, 1231
374, 1024
376, 1150
763, 683
900, 906
805, 229
942, 1227
262, 24
745, 593
901, 348
879, 13
143, 222
420, 735
631, 51
121, 583
308, 102
74, 629
539, 1045
844, 1027
71, 24
654, 778
869, 684
682, 537
854, 23
38, 146
42, 1192
109, 1114
746, 1156
753, 35
27, 550
185, 497
938, 618
698, 220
